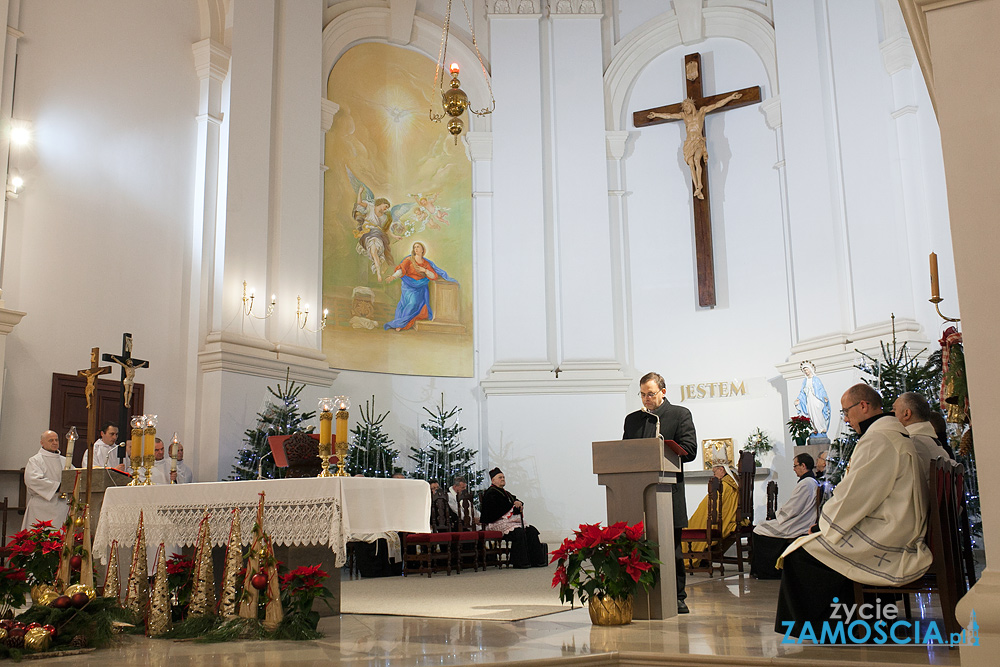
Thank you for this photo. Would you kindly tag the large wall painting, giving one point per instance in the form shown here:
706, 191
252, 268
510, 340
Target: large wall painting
397, 242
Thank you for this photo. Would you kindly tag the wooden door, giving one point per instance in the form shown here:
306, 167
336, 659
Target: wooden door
69, 408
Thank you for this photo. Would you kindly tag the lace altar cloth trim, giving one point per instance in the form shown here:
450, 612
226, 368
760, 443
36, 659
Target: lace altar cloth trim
296, 511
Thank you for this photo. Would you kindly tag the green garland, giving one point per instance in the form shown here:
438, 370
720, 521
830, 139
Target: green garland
212, 629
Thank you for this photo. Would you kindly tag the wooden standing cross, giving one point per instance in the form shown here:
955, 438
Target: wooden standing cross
692, 111
128, 364
91, 374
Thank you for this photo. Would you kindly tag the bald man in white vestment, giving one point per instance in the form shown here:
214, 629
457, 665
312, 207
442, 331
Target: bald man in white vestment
42, 476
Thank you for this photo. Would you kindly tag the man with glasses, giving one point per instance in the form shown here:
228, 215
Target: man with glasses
792, 519
870, 531
673, 422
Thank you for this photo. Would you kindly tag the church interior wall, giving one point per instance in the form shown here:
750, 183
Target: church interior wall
98, 242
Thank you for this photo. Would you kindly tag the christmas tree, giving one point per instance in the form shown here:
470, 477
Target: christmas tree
445, 458
371, 452
897, 372
279, 417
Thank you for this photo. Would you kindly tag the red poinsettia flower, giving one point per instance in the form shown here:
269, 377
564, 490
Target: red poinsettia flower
635, 532
612, 533
591, 535
41, 524
633, 566
51, 546
560, 577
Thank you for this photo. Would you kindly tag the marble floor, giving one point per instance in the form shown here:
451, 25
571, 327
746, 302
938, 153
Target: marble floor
731, 624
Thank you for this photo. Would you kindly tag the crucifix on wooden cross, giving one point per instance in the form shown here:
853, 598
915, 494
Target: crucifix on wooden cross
91, 374
128, 364
692, 111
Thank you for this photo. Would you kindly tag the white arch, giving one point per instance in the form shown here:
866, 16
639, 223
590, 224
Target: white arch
664, 34
371, 24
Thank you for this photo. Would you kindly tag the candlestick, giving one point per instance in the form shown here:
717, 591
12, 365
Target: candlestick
173, 459
138, 423
935, 290
325, 436
149, 448
343, 404
71, 438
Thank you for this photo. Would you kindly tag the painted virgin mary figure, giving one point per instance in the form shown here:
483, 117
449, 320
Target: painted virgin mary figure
813, 401
415, 273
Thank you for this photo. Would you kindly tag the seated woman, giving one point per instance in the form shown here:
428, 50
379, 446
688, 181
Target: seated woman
727, 507
794, 518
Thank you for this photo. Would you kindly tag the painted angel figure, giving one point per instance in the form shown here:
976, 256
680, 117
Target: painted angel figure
375, 225
427, 212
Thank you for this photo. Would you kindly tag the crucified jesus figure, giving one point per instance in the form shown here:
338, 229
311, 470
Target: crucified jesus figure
695, 150
129, 380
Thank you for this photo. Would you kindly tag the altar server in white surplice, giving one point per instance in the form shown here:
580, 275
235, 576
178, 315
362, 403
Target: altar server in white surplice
105, 449
42, 476
184, 473
161, 464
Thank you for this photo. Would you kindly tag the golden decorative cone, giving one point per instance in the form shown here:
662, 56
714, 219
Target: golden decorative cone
272, 609
248, 604
158, 616
64, 573
112, 578
203, 590
137, 589
228, 602
87, 568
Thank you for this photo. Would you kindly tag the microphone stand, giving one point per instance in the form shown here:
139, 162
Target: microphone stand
260, 465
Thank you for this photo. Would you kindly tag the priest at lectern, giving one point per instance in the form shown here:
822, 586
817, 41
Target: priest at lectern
659, 418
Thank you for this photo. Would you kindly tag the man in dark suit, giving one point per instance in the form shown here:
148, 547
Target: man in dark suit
673, 422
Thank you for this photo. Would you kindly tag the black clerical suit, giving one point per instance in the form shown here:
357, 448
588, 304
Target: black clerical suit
675, 424
526, 549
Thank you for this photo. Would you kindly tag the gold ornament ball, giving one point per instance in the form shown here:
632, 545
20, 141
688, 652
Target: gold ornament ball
47, 597
37, 639
81, 588
455, 126
79, 521
3, 634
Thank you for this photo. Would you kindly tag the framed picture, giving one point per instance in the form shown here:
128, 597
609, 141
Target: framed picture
719, 449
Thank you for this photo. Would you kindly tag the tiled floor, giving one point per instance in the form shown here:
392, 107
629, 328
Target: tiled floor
731, 623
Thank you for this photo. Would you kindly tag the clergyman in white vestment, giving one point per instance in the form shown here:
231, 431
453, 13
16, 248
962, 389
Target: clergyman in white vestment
104, 448
42, 476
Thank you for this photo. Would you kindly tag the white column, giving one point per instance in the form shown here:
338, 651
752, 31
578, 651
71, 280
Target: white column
583, 268
519, 239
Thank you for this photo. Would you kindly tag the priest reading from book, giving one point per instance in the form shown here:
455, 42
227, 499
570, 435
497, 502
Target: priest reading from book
42, 476
660, 419
504, 512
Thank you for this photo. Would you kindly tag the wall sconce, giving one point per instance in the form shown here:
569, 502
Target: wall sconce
302, 316
248, 304
20, 132
14, 184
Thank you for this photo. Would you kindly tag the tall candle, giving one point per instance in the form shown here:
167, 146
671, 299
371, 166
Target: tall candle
342, 426
935, 290
136, 442
149, 443
325, 427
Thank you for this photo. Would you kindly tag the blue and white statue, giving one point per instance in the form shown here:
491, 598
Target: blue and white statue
813, 401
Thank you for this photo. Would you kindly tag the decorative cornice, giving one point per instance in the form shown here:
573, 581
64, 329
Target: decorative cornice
576, 8
14, 32
897, 54
257, 357
771, 108
211, 59
328, 110
8, 320
904, 111
616, 141
479, 145
519, 8
540, 378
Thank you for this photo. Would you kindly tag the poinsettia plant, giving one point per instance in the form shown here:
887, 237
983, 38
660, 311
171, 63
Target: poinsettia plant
799, 426
298, 590
13, 587
36, 550
615, 562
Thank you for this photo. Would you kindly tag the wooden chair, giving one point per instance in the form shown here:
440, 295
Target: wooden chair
710, 535
772, 500
430, 552
742, 535
946, 576
465, 538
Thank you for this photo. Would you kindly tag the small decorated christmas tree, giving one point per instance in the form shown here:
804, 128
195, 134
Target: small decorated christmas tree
279, 417
371, 453
445, 458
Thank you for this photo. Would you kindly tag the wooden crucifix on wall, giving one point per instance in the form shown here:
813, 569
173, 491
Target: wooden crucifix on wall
692, 111
129, 364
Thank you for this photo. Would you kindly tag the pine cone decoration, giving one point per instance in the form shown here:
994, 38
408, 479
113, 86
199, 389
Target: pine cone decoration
14, 642
965, 445
80, 641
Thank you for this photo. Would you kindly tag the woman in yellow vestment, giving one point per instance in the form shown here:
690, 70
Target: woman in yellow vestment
729, 500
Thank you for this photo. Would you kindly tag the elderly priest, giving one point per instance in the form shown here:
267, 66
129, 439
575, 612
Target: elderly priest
42, 476
871, 530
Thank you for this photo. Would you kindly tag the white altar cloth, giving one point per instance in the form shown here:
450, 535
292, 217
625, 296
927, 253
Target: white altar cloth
318, 511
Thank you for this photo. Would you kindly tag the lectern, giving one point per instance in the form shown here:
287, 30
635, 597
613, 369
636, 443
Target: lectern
101, 480
639, 476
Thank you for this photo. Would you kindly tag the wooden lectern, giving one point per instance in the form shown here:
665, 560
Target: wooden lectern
638, 476
102, 479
